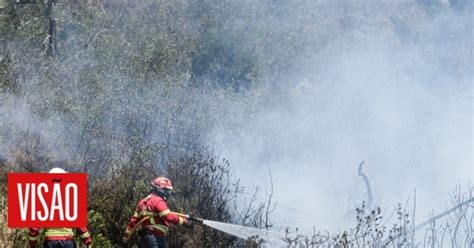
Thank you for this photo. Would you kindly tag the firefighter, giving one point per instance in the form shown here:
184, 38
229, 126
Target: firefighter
59, 237
152, 216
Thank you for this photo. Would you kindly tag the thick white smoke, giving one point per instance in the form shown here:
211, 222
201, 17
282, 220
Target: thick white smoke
395, 90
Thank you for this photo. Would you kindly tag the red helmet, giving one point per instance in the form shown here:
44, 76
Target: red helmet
162, 183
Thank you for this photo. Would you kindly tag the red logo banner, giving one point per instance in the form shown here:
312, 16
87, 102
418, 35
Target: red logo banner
47, 200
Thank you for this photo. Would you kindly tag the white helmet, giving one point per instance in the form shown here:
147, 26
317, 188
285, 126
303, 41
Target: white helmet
57, 171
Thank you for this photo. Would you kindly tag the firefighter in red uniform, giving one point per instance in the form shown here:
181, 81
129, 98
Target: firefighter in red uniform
59, 237
153, 217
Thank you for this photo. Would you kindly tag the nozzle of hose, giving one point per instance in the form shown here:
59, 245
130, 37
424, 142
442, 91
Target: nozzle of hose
194, 218
190, 217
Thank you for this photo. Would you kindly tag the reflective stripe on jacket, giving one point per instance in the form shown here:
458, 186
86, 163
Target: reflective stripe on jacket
60, 234
156, 208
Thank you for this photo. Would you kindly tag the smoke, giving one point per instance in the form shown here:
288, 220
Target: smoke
304, 89
46, 136
117, 86
391, 85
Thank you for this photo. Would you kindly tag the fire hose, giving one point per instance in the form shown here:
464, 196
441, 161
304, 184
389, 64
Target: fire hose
190, 217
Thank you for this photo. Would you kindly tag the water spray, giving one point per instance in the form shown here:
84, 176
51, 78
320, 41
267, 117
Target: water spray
268, 238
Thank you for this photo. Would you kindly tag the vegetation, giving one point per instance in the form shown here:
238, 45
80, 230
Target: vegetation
374, 229
129, 90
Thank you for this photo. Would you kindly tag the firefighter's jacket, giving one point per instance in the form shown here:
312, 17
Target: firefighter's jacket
59, 234
155, 209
